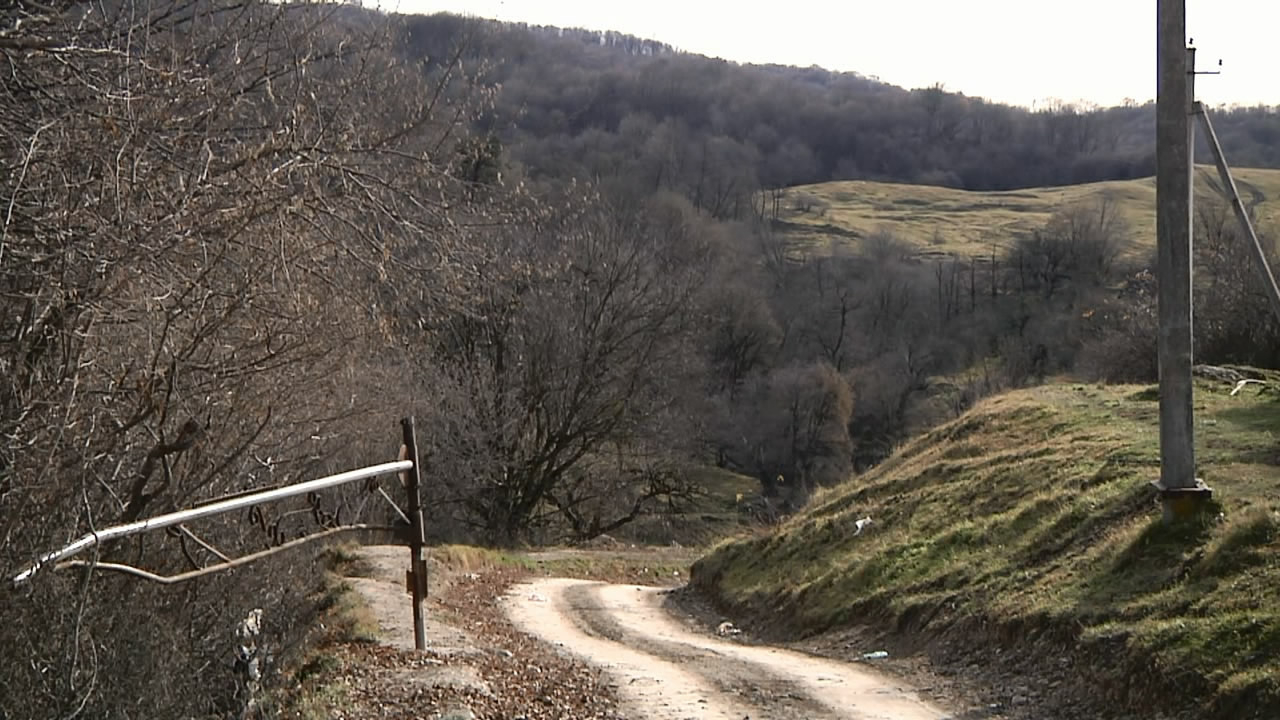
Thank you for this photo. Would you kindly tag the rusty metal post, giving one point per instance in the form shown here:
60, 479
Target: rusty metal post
417, 577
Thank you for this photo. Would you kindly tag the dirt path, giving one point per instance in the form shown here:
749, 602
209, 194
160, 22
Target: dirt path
383, 590
476, 666
666, 671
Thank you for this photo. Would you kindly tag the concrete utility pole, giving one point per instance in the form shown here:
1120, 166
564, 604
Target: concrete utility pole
1180, 491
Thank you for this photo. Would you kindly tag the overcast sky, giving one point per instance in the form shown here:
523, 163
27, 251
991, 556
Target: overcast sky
1017, 51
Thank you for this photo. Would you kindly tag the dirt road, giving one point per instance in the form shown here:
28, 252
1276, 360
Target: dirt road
665, 670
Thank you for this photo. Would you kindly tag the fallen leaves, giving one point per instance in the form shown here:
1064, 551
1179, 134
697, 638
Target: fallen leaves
507, 675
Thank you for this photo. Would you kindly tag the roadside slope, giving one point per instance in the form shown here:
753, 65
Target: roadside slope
1027, 527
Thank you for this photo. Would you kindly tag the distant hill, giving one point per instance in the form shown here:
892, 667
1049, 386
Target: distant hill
625, 110
940, 222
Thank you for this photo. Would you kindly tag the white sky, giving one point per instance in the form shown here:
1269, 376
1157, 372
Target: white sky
1016, 51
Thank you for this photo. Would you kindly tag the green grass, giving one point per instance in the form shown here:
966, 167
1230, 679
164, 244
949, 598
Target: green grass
723, 490
346, 612
946, 222
1034, 511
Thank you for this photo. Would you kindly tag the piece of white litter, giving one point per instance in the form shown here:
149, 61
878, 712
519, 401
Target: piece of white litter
861, 525
727, 628
1240, 385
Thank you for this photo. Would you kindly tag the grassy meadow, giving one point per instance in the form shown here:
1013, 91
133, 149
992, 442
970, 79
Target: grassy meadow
941, 222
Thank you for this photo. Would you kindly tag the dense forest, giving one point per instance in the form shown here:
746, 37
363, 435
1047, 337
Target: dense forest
604, 106
241, 238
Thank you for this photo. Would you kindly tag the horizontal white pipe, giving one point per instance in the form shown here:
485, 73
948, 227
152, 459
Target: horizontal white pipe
237, 562
214, 508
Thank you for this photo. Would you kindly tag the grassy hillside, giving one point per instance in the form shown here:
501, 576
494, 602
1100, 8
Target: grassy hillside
1031, 519
943, 221
717, 510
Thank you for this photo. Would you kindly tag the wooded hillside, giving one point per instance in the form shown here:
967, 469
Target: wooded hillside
240, 238
615, 108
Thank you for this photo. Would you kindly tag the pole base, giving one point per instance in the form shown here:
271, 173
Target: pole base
1183, 503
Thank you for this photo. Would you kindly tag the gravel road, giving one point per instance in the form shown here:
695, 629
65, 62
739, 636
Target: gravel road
665, 669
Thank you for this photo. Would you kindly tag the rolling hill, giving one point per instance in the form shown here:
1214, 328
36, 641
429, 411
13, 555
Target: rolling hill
942, 221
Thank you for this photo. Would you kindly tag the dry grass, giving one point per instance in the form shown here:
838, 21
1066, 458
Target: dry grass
945, 222
464, 558
342, 611
1034, 511
314, 690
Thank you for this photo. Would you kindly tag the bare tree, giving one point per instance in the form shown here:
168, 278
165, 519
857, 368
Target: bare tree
200, 219
1078, 246
743, 335
553, 393
790, 431
1233, 319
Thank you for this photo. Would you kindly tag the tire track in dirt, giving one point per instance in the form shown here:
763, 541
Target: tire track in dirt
598, 614
665, 671
652, 688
